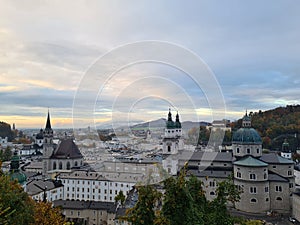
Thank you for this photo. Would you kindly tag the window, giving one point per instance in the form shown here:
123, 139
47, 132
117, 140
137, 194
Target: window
265, 176
238, 174
289, 173
291, 185
267, 199
257, 150
237, 150
248, 150
252, 190
169, 148
252, 176
211, 183
60, 165
278, 188
68, 166
253, 200
54, 165
266, 189
279, 199
274, 167
212, 193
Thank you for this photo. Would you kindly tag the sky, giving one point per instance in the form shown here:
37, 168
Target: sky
52, 54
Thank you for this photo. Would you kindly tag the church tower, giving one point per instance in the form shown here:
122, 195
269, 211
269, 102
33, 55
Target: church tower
286, 151
172, 144
47, 146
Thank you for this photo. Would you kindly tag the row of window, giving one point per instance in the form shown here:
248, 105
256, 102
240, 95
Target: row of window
93, 190
248, 150
93, 182
253, 190
254, 200
60, 165
252, 176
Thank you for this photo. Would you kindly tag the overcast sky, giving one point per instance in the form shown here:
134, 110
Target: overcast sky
47, 48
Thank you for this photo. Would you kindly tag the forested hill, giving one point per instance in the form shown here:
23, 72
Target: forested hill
275, 125
5, 131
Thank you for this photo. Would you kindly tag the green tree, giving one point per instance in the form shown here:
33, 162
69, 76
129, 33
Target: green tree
120, 198
144, 211
178, 206
13, 197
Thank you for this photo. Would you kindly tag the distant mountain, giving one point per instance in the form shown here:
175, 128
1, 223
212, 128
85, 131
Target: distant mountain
161, 123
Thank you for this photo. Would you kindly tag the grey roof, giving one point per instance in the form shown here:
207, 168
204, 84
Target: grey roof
212, 156
277, 178
246, 136
37, 186
250, 161
67, 149
211, 173
273, 158
76, 204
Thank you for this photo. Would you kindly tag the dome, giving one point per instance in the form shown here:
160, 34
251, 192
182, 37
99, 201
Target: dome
246, 136
19, 176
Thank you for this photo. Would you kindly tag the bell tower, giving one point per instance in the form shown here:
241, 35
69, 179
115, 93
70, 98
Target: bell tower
47, 146
172, 144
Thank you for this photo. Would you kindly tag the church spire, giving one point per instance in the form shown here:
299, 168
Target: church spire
169, 115
48, 123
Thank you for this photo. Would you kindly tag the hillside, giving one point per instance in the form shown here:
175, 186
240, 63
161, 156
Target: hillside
275, 125
5, 131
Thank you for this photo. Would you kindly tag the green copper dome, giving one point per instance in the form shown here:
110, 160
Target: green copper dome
14, 172
246, 136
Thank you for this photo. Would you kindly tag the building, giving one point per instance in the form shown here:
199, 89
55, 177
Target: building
97, 186
172, 144
45, 190
267, 180
64, 157
88, 212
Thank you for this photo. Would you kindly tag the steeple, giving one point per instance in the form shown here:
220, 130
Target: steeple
169, 115
48, 123
246, 121
177, 122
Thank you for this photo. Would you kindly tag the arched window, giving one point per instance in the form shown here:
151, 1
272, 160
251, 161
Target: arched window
212, 193
68, 166
169, 148
54, 165
60, 165
76, 163
253, 200
279, 199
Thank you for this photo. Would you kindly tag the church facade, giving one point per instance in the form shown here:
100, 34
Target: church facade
64, 157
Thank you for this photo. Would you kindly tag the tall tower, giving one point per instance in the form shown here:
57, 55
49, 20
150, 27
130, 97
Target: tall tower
286, 151
172, 144
47, 146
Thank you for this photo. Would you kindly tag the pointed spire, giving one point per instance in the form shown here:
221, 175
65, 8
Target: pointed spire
48, 123
170, 115
177, 117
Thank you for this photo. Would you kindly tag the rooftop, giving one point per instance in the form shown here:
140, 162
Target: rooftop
67, 149
274, 158
250, 161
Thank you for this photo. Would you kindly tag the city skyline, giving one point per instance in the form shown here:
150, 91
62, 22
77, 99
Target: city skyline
46, 49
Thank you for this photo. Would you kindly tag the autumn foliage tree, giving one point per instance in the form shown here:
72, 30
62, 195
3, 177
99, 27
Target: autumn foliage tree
45, 214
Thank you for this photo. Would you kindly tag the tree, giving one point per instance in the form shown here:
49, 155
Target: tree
144, 211
7, 154
14, 200
179, 206
120, 198
45, 214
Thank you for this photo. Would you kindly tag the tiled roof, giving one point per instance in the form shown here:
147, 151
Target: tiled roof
67, 149
76, 204
273, 158
250, 161
211, 156
211, 173
276, 177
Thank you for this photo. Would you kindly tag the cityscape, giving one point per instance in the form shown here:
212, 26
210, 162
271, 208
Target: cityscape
149, 113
